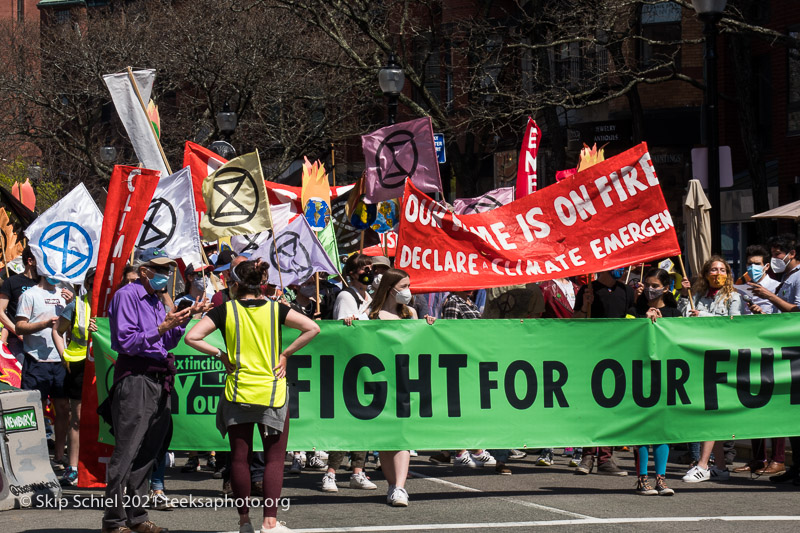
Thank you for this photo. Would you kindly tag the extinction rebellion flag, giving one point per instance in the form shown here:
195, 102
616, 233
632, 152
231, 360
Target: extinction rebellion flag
171, 219
611, 215
64, 238
397, 152
236, 199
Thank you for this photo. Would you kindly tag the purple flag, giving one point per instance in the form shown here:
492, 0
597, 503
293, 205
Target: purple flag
486, 202
300, 254
397, 152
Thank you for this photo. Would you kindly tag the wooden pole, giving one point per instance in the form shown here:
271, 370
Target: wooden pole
683, 273
144, 110
316, 280
641, 275
174, 281
361, 243
333, 166
4, 259
628, 276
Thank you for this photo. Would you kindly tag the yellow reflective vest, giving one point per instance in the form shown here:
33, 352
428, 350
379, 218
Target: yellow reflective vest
79, 338
252, 336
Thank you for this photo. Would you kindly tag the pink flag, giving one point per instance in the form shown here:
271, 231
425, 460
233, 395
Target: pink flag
397, 152
487, 202
526, 168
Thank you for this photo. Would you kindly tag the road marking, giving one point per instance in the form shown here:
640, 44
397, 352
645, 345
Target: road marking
544, 523
506, 499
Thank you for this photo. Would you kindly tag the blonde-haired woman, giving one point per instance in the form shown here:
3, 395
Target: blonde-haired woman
390, 302
713, 295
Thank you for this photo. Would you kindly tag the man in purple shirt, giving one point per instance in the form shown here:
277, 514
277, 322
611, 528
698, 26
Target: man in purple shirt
142, 332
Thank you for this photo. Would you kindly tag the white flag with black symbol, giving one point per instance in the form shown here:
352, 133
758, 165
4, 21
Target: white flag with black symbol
171, 220
64, 239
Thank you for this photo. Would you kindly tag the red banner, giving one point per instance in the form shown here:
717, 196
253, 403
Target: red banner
387, 247
526, 168
129, 194
611, 215
202, 162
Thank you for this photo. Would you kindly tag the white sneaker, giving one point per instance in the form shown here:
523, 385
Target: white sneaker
389, 494
297, 465
316, 463
360, 481
484, 459
465, 459
322, 455
280, 527
413, 453
717, 474
329, 483
399, 498
697, 475
517, 454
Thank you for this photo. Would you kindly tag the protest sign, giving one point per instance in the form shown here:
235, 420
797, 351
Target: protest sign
299, 252
171, 220
64, 238
130, 190
484, 202
526, 167
512, 383
236, 199
397, 152
133, 116
611, 215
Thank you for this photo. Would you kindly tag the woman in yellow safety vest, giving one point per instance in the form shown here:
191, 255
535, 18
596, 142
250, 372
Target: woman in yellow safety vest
76, 319
255, 389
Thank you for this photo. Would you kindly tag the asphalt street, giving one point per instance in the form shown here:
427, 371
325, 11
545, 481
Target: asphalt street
444, 498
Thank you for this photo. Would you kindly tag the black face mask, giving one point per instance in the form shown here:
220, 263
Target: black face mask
367, 277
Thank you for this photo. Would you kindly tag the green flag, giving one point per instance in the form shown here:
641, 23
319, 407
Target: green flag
327, 237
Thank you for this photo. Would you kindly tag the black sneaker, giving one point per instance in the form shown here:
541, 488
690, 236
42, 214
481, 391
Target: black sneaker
192, 464
790, 475
212, 462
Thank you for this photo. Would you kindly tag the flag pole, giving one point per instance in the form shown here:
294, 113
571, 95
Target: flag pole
144, 110
316, 280
333, 166
683, 273
4, 257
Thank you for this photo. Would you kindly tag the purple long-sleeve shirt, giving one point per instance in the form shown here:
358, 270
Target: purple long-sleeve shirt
134, 316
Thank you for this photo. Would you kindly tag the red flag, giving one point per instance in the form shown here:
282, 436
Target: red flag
203, 162
129, 194
526, 168
611, 215
10, 368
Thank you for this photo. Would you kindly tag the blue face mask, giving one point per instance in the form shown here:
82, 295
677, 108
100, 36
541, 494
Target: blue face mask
617, 273
53, 281
756, 271
159, 282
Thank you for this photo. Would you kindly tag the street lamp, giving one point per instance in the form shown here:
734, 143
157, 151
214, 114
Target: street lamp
108, 154
391, 80
710, 12
226, 121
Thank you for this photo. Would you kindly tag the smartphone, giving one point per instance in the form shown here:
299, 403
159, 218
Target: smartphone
184, 305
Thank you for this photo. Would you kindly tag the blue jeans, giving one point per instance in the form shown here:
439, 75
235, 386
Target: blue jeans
157, 479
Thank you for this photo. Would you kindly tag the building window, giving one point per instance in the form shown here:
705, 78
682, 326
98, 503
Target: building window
427, 63
20, 10
661, 35
62, 16
793, 82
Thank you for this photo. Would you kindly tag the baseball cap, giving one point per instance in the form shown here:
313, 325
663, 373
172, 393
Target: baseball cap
224, 260
381, 260
191, 269
154, 257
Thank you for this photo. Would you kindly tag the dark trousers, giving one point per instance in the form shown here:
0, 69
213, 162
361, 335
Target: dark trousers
357, 459
141, 414
603, 453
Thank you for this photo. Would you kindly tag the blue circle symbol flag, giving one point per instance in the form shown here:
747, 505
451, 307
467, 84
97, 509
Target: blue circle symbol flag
67, 249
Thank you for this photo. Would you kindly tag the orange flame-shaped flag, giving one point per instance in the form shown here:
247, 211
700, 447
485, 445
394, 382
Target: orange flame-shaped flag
155, 119
10, 246
591, 156
24, 193
315, 183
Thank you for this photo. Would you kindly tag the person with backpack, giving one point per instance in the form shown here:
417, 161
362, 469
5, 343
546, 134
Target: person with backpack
352, 303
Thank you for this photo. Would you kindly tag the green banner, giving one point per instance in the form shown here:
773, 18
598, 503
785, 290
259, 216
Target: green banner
513, 383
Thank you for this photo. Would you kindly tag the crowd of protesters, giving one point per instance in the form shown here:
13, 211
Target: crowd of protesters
47, 326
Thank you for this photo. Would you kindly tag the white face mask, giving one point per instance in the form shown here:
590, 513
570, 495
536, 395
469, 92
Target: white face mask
403, 297
376, 281
778, 265
200, 284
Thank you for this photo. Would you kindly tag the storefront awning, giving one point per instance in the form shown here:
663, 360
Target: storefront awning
791, 211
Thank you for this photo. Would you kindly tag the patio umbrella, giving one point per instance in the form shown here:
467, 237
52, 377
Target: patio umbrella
791, 211
698, 226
